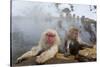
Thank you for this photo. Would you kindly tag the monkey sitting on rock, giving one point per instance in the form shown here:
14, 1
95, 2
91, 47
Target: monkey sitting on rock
45, 50
73, 43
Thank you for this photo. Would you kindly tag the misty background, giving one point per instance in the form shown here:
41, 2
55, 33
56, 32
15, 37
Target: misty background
31, 19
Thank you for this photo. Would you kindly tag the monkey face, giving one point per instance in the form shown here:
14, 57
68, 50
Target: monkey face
50, 37
73, 34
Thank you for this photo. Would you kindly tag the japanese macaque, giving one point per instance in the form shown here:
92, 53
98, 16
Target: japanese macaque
73, 42
46, 48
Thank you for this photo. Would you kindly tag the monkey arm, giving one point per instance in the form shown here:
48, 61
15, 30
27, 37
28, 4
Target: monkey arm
46, 55
84, 44
33, 52
24, 56
36, 50
65, 45
81, 41
67, 50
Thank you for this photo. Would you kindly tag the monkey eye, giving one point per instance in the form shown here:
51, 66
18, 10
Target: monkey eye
50, 35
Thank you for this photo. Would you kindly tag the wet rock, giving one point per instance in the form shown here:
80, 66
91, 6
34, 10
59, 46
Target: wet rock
88, 52
58, 59
86, 55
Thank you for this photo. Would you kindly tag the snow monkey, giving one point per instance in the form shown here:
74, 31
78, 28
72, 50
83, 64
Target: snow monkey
73, 42
46, 48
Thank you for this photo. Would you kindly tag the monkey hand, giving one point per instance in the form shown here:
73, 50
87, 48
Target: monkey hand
20, 59
40, 59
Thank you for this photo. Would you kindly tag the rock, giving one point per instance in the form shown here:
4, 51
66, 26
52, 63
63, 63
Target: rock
58, 59
62, 57
88, 52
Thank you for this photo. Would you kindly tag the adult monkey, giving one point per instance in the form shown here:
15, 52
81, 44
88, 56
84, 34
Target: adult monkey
46, 48
73, 42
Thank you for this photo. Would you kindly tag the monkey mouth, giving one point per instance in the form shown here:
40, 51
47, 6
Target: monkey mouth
50, 40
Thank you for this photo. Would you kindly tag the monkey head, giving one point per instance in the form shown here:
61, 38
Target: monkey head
50, 37
73, 33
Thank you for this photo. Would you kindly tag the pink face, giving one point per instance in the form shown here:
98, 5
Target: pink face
50, 38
